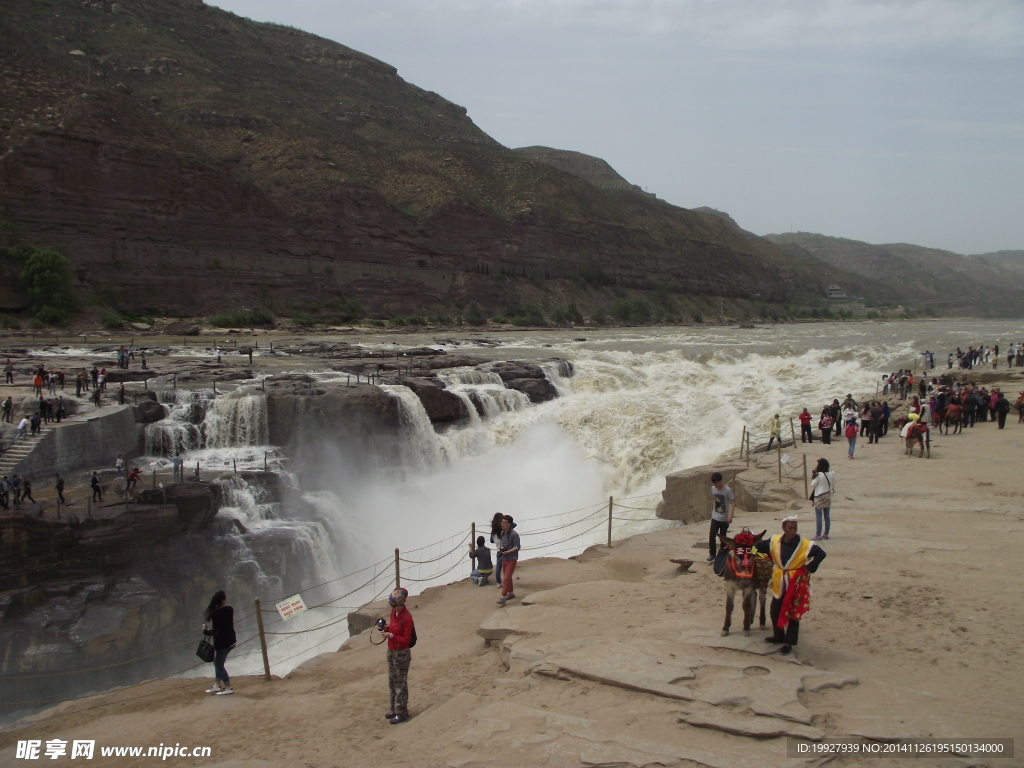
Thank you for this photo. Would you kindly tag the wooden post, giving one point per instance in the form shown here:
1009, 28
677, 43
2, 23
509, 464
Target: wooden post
748, 449
806, 489
154, 478
234, 464
263, 640
779, 459
472, 540
175, 380
611, 503
215, 386
792, 430
265, 461
743, 439
398, 575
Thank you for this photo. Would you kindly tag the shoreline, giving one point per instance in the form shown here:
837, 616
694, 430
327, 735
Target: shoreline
885, 586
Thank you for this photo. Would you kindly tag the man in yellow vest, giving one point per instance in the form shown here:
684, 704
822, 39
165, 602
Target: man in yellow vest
794, 558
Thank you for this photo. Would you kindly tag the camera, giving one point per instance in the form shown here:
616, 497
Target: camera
381, 624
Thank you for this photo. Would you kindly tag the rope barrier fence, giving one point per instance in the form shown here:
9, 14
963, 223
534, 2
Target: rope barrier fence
426, 565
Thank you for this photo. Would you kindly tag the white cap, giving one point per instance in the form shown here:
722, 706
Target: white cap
790, 519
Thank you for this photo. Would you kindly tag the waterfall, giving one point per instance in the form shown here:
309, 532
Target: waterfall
178, 431
463, 394
421, 448
198, 419
557, 371
238, 418
494, 401
484, 393
470, 376
247, 501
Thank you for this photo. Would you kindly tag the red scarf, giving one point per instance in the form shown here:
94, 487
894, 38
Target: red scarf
797, 600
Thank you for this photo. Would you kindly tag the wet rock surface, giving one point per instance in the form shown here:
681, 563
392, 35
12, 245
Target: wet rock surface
441, 406
148, 411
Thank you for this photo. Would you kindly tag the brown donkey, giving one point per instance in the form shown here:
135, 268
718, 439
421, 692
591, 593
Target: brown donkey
746, 570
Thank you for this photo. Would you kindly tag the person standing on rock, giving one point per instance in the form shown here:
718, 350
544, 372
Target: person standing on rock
5, 489
120, 395
142, 355
721, 514
59, 488
178, 463
794, 559
26, 490
9, 372
509, 551
822, 483
1001, 408
16, 490
119, 465
8, 406
97, 490
825, 425
220, 625
774, 431
401, 635
806, 433
496, 540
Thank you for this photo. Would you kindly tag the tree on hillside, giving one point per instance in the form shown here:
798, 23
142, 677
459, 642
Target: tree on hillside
48, 281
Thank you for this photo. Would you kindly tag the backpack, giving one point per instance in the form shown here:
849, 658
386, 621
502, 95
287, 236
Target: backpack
412, 642
851, 431
825, 423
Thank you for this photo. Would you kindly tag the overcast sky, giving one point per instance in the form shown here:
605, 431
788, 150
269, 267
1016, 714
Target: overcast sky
880, 121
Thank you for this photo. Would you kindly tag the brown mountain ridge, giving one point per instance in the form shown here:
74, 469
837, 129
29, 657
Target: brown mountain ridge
189, 160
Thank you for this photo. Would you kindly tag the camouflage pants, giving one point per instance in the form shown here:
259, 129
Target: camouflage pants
398, 680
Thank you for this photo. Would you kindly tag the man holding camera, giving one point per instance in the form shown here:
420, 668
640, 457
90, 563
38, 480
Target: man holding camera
401, 634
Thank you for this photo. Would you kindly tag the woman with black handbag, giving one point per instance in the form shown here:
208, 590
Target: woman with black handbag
221, 617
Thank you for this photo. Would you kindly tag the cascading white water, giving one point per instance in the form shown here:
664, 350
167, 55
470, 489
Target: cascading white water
237, 418
248, 502
420, 448
178, 432
557, 371
470, 376
483, 391
198, 419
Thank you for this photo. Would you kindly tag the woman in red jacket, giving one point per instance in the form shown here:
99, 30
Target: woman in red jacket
401, 634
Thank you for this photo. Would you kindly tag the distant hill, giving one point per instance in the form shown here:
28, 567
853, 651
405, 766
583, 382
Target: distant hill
593, 169
1010, 260
946, 281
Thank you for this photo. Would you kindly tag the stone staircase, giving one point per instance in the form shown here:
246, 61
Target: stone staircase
20, 449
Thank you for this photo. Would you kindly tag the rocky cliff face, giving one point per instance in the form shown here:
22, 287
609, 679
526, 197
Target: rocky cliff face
88, 594
255, 163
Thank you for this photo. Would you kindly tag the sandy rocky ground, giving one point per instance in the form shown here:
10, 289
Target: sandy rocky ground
615, 657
